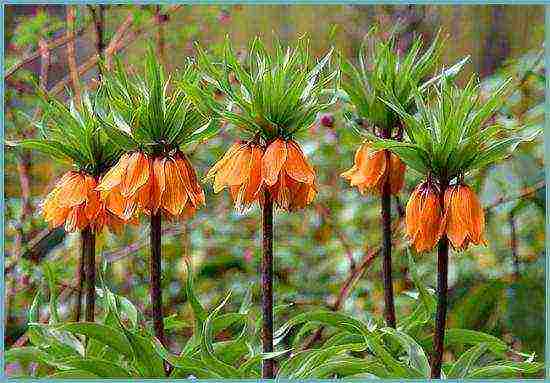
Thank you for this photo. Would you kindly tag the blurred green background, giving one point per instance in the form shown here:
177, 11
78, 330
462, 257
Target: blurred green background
498, 289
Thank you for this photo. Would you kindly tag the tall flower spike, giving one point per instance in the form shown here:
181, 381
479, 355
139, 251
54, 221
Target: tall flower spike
423, 217
370, 171
240, 171
288, 175
151, 120
464, 220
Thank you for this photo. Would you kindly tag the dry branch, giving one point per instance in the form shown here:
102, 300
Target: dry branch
71, 52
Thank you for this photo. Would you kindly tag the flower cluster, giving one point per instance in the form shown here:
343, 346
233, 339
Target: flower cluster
460, 217
75, 203
141, 183
373, 167
282, 169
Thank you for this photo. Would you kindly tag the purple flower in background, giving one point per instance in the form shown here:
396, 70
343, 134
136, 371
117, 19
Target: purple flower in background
327, 120
224, 17
248, 255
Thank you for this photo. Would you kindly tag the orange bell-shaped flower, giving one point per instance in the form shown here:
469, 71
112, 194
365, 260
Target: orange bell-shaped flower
464, 220
287, 174
240, 171
75, 203
139, 183
423, 217
370, 170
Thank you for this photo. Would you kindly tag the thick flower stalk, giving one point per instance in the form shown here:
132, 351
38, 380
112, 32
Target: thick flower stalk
371, 170
73, 136
269, 107
383, 73
151, 122
445, 143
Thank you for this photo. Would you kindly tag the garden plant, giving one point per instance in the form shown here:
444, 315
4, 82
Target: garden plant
136, 146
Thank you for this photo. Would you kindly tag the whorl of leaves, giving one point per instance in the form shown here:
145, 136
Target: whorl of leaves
72, 133
147, 113
450, 135
268, 94
381, 73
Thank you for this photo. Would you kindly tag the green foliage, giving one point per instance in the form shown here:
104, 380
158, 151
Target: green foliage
72, 133
36, 27
146, 114
266, 94
119, 347
449, 136
386, 76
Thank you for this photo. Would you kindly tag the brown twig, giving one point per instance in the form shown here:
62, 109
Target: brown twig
71, 52
514, 245
99, 26
118, 42
36, 55
528, 191
325, 214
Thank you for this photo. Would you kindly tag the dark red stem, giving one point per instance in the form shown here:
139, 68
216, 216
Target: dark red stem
267, 284
88, 249
155, 273
389, 307
441, 314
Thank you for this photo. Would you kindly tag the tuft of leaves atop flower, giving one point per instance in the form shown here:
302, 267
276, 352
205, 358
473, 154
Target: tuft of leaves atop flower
72, 133
148, 113
450, 134
382, 73
267, 94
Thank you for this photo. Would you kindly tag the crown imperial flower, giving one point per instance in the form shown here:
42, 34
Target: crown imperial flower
370, 170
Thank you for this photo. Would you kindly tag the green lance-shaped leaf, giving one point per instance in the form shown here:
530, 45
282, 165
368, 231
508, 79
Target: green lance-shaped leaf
107, 335
327, 318
416, 355
207, 348
467, 361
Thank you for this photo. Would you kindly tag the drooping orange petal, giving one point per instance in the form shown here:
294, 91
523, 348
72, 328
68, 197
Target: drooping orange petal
114, 176
234, 170
273, 161
478, 220
455, 228
356, 175
76, 220
296, 165
174, 196
397, 174
430, 221
137, 174
54, 214
159, 184
73, 191
189, 179
412, 213
423, 217
254, 183
224, 160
